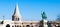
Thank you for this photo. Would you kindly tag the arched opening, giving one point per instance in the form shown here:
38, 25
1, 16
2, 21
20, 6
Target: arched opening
20, 25
7, 25
27, 26
12, 26
17, 25
38, 26
23, 26
18, 19
32, 26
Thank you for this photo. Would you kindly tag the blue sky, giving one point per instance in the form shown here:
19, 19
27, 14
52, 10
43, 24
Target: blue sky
30, 9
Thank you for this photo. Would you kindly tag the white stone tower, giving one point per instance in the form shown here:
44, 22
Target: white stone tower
16, 16
44, 20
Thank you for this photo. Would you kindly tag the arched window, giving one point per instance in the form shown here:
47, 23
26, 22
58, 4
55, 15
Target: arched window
18, 19
7, 25
27, 26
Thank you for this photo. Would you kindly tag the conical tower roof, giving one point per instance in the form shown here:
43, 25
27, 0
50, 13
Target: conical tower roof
16, 12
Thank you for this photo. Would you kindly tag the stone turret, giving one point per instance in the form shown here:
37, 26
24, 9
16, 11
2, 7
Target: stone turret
16, 16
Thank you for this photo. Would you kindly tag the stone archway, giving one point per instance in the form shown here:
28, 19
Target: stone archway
7, 25
27, 25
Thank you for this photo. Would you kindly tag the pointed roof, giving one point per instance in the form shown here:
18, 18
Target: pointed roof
16, 12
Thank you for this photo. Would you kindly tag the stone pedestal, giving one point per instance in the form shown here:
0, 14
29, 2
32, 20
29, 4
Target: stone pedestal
45, 23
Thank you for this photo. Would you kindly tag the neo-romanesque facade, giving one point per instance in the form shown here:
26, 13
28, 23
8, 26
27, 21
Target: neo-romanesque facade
17, 22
